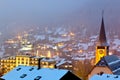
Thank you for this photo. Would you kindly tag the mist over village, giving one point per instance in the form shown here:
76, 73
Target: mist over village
60, 40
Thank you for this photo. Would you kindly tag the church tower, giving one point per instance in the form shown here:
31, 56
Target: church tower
102, 49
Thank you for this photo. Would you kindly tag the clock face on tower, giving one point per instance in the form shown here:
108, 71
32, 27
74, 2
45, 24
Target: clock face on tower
101, 52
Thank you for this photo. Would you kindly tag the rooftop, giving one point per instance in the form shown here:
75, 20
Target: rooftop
33, 73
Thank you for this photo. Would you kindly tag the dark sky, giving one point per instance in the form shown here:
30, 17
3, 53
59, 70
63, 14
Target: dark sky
18, 14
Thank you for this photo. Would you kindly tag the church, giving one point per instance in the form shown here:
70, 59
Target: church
104, 63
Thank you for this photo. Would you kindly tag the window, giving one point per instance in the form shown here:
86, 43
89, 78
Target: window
24, 75
18, 58
22, 58
101, 73
31, 69
37, 78
116, 77
18, 69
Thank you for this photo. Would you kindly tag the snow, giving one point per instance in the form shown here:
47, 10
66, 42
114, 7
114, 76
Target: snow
105, 77
60, 31
59, 39
83, 45
78, 58
116, 41
94, 37
45, 73
48, 60
41, 37
114, 62
25, 49
90, 44
62, 62
116, 70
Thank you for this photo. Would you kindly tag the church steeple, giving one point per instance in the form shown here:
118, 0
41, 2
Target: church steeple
102, 35
102, 49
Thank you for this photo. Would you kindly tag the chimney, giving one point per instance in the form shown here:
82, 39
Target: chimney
39, 65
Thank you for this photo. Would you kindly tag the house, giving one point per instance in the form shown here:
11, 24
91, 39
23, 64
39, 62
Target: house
35, 73
108, 65
9, 63
47, 63
65, 64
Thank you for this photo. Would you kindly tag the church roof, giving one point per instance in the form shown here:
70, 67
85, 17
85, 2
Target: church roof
112, 61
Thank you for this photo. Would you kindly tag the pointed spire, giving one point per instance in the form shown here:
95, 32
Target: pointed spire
102, 35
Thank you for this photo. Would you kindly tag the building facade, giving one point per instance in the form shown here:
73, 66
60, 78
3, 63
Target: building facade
10, 63
48, 63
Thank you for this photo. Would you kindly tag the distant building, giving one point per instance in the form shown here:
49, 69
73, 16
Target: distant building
34, 73
9, 63
26, 47
48, 63
104, 63
10, 47
107, 65
102, 49
65, 65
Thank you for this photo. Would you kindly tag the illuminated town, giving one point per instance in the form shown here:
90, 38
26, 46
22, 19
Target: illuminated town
61, 51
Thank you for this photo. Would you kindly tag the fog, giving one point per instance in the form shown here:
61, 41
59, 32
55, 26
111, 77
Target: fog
18, 15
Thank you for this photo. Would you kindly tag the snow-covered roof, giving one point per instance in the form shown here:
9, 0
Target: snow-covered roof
58, 39
37, 37
48, 60
63, 61
26, 49
30, 73
116, 41
105, 77
60, 31
83, 45
112, 62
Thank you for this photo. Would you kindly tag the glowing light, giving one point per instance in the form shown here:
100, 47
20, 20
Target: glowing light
56, 48
10, 41
66, 66
72, 34
60, 44
70, 49
19, 37
80, 51
110, 53
64, 35
49, 54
